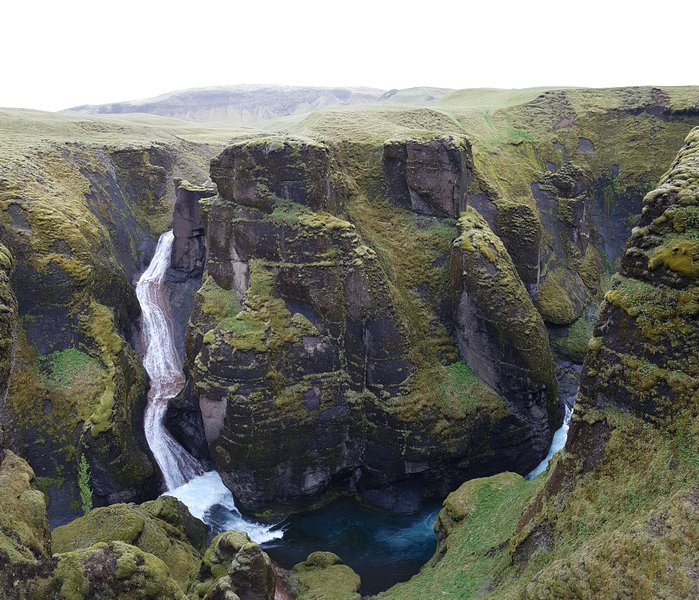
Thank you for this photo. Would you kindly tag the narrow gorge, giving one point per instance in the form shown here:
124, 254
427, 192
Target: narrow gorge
344, 362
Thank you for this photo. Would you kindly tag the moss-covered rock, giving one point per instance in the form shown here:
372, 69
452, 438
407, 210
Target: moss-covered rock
162, 527
254, 172
322, 576
313, 322
80, 209
24, 536
233, 566
112, 570
617, 513
500, 333
8, 327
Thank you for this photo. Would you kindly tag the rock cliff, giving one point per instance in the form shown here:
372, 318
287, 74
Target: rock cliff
303, 347
81, 209
617, 514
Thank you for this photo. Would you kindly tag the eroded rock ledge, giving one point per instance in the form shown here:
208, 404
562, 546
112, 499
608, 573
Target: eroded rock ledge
322, 364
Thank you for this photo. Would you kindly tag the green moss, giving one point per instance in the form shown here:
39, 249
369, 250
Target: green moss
132, 525
679, 255
322, 576
478, 519
100, 327
23, 526
218, 302
555, 297
574, 343
463, 392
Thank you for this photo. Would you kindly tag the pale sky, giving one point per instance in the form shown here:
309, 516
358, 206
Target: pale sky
57, 54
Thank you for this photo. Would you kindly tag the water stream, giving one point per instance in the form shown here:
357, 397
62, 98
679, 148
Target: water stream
557, 443
204, 493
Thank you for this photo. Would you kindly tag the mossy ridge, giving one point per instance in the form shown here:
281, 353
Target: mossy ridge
322, 576
137, 526
493, 277
408, 249
475, 523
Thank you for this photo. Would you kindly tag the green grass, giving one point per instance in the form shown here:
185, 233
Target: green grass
463, 392
480, 517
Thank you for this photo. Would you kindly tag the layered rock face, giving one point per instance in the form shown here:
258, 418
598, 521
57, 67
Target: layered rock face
635, 426
310, 363
643, 356
617, 514
500, 333
429, 178
81, 220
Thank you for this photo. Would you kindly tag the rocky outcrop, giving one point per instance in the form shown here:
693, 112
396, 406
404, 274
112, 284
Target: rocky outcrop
81, 220
184, 278
234, 567
569, 262
642, 356
635, 415
163, 528
122, 551
8, 327
24, 533
188, 248
303, 326
428, 177
105, 570
255, 173
323, 575
501, 335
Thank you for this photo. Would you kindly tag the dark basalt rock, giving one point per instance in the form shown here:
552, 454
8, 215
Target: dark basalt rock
429, 178
568, 264
640, 379
188, 248
642, 357
8, 325
300, 353
500, 333
253, 173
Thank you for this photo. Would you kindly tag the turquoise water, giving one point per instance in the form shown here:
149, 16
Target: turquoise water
382, 547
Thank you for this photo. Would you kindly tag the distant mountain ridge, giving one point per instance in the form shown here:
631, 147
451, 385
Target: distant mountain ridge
239, 104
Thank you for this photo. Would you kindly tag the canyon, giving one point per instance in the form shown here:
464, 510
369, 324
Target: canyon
381, 301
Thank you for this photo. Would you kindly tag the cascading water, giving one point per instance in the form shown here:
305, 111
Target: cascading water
162, 364
204, 493
557, 443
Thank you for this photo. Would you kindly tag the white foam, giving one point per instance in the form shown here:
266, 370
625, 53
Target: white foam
203, 493
557, 443
207, 492
162, 363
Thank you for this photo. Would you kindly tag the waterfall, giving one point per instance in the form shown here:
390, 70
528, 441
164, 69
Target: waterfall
557, 443
205, 494
162, 364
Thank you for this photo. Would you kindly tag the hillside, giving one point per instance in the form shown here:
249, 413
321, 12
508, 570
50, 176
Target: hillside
237, 104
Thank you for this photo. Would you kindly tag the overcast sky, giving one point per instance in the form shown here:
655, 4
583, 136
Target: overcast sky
57, 54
